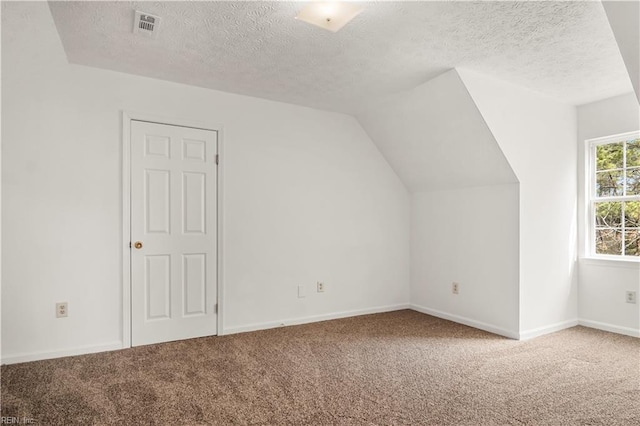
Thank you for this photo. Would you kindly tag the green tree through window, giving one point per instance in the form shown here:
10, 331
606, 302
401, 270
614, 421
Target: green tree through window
615, 199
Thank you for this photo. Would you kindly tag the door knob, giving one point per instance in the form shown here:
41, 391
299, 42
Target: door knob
138, 245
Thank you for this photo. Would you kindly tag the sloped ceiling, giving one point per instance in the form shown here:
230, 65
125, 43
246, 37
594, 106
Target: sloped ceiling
435, 138
561, 49
624, 18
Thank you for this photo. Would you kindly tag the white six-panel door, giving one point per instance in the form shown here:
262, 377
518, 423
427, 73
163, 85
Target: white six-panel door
173, 233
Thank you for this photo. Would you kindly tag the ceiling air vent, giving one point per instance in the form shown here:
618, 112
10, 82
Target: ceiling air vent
146, 24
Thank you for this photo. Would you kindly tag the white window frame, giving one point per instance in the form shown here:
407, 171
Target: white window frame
592, 199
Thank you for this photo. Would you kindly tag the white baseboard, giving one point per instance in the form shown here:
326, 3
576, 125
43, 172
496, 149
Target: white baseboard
466, 321
314, 318
552, 328
529, 334
627, 331
81, 350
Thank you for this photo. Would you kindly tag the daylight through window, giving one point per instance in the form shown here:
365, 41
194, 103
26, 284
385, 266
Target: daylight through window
615, 195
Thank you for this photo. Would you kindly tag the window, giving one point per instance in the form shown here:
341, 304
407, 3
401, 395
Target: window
614, 200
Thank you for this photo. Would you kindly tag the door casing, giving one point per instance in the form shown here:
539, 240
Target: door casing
127, 117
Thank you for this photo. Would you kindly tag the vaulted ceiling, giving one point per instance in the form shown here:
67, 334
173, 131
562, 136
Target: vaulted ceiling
564, 50
624, 18
435, 138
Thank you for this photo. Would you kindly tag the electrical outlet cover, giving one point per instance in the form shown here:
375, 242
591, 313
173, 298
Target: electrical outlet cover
62, 310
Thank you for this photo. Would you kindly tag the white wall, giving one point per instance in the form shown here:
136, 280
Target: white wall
307, 197
0, 191
464, 204
469, 236
602, 284
537, 135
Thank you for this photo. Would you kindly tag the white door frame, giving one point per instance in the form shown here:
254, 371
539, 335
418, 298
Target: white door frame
127, 117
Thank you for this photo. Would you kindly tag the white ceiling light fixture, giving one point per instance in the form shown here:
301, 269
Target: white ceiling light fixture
329, 15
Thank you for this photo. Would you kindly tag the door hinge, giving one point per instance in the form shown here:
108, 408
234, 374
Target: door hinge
217, 159
215, 308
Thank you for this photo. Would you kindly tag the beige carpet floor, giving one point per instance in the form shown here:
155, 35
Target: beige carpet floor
385, 369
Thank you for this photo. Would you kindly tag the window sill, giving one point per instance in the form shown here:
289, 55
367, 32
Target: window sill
610, 261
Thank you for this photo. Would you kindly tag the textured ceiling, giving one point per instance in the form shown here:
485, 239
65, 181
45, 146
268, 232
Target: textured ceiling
561, 49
